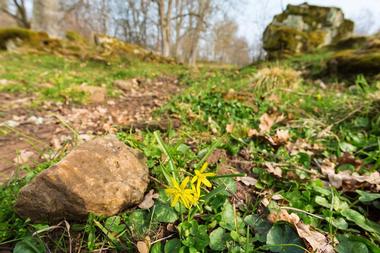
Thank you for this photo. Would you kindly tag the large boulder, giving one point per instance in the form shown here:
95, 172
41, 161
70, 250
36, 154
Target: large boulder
356, 55
102, 176
304, 27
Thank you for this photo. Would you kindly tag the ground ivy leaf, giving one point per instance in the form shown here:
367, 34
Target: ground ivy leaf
29, 245
361, 221
283, 234
260, 225
346, 245
339, 223
367, 197
218, 239
164, 213
172, 246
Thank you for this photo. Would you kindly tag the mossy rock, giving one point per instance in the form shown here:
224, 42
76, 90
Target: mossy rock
350, 43
75, 37
349, 62
29, 37
303, 28
283, 40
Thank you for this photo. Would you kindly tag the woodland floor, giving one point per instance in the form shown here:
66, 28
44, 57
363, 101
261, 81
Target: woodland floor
296, 158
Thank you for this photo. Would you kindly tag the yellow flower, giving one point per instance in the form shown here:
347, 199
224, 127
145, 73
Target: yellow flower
181, 193
201, 178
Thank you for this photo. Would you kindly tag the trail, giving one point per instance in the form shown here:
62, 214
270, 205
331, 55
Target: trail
31, 135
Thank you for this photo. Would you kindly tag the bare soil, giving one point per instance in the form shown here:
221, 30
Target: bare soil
29, 135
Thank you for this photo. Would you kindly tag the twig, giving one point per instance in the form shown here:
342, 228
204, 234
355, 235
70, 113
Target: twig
302, 211
162, 239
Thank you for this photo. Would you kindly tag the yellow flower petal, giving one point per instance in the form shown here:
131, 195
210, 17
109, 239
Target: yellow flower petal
204, 167
174, 182
207, 183
175, 200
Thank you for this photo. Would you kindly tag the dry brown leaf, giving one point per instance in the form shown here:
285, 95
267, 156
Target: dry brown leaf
23, 157
229, 128
282, 136
301, 145
327, 167
142, 247
346, 179
253, 132
318, 242
267, 121
273, 169
248, 181
148, 201
351, 181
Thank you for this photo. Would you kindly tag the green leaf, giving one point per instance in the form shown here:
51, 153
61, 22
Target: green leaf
322, 201
29, 245
339, 223
156, 248
113, 224
353, 238
218, 239
172, 246
348, 246
285, 238
229, 219
260, 225
366, 197
347, 147
361, 221
164, 213
194, 235
138, 223
338, 204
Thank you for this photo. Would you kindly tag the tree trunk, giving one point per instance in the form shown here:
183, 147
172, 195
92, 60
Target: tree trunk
46, 16
204, 7
165, 15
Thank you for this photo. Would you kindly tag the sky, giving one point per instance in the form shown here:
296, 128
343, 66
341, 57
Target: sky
254, 15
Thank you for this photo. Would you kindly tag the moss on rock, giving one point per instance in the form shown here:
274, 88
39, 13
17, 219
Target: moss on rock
26, 36
356, 61
302, 28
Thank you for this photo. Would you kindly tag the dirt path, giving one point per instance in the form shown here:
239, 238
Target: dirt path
29, 136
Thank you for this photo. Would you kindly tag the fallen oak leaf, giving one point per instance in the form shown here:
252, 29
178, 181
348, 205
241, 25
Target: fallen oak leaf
142, 247
23, 157
267, 121
347, 179
148, 201
301, 145
273, 169
248, 181
229, 128
318, 242
281, 136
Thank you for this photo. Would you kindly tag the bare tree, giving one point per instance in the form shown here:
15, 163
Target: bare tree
202, 12
165, 16
86, 16
19, 14
46, 16
133, 21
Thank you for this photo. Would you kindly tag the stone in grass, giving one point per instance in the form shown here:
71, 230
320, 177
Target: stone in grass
102, 176
95, 94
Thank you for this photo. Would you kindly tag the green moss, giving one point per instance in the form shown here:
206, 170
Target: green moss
350, 43
315, 39
75, 37
356, 61
25, 35
285, 39
346, 28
